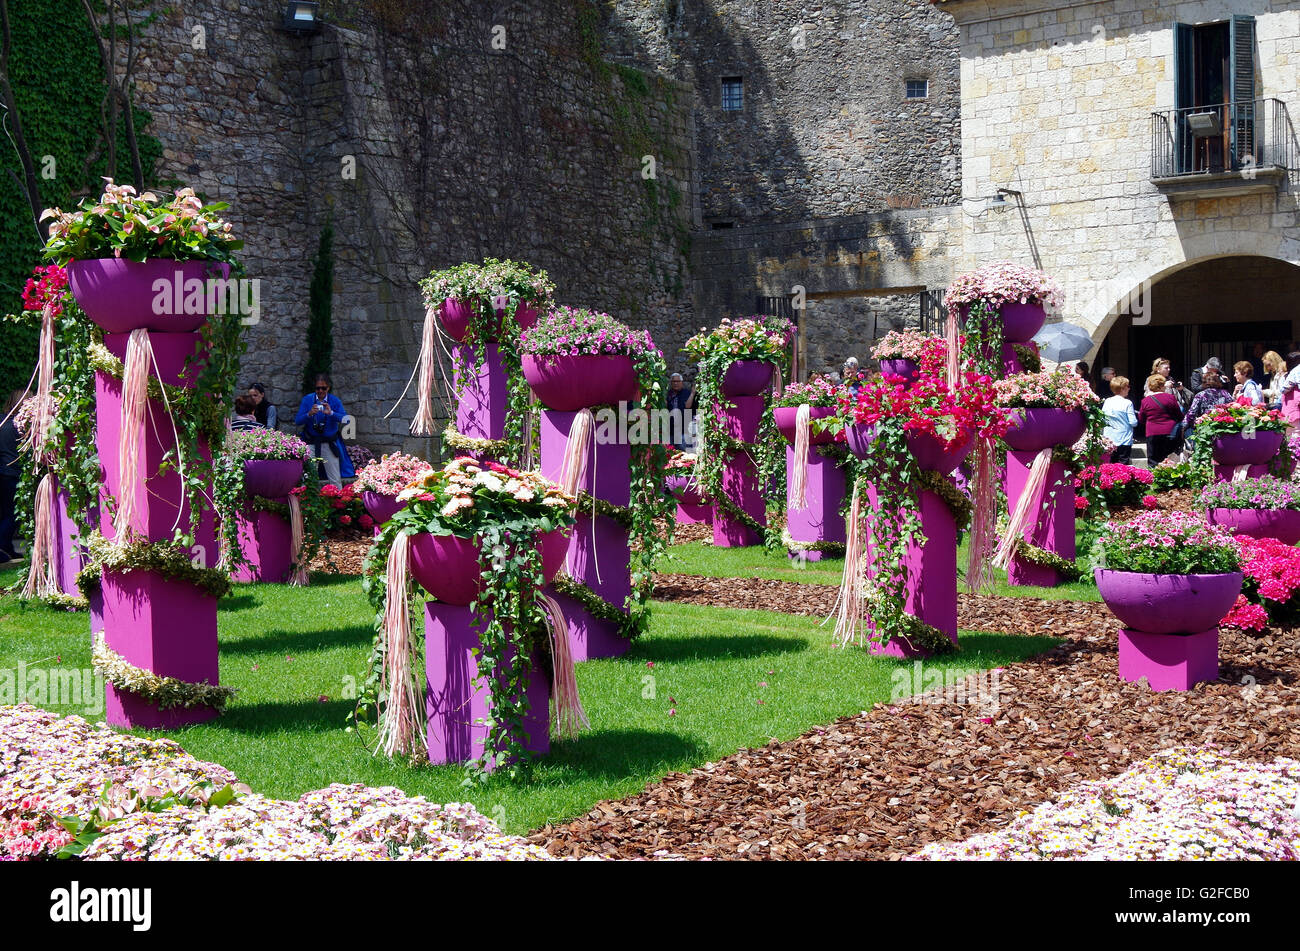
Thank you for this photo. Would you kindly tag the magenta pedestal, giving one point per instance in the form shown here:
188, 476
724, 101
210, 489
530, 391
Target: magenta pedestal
457, 701
1226, 473
266, 541
740, 476
164, 626
694, 513
69, 557
1169, 661
820, 520
932, 575
1054, 529
481, 392
598, 554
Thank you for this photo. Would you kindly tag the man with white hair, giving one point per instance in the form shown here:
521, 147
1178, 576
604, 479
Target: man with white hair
681, 405
1194, 381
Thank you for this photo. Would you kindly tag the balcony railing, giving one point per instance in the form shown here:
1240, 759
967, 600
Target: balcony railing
1234, 137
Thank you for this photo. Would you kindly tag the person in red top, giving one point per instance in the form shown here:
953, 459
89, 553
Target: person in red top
1160, 413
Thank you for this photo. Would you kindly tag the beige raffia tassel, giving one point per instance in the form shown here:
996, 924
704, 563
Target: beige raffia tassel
42, 575
1025, 517
298, 576
570, 718
851, 601
399, 733
573, 467
802, 440
422, 424
38, 432
135, 404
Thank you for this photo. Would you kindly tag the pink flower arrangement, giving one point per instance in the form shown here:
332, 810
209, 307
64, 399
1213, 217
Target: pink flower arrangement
1061, 388
1272, 580
391, 474
904, 345
680, 462
1168, 543
759, 337
1117, 483
265, 444
149, 800
1150, 502
576, 331
818, 391
1002, 283
1180, 804
464, 492
1239, 416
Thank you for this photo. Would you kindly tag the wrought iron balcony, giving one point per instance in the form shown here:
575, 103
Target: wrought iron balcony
1232, 149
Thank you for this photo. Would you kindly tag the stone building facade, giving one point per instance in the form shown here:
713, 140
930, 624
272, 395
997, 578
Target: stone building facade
428, 132
1083, 110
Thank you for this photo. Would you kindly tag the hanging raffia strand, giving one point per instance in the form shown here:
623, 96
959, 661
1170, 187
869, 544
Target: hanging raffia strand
983, 518
422, 424
951, 339
42, 575
1025, 517
570, 718
135, 404
39, 429
399, 733
852, 596
573, 467
802, 440
298, 577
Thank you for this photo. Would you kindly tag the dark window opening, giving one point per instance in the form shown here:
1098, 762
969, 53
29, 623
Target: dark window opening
918, 88
733, 93
719, 225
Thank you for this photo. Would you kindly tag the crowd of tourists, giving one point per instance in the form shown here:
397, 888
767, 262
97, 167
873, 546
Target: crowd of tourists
1169, 408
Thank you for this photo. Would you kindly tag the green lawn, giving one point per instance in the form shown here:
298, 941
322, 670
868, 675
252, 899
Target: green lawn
735, 679
698, 558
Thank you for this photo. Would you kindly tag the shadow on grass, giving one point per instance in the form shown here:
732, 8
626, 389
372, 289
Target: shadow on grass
323, 579
709, 647
618, 754
1004, 646
310, 716
238, 602
300, 642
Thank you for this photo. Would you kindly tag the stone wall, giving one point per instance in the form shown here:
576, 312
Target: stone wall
1056, 103
461, 150
826, 129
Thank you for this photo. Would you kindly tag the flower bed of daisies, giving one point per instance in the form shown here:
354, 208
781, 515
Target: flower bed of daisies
69, 787
1179, 804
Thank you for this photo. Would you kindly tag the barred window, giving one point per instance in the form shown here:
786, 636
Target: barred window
733, 93
918, 88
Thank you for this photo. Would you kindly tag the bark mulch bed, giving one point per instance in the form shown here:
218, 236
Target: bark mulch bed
883, 784
342, 552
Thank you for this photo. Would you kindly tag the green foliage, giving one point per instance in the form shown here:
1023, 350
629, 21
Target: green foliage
320, 304
58, 83
1180, 475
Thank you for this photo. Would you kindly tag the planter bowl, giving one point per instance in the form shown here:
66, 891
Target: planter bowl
447, 565
1240, 450
381, 507
1168, 604
785, 417
456, 316
909, 370
1282, 524
685, 490
568, 384
271, 478
933, 455
1019, 321
747, 378
859, 436
1041, 428
120, 296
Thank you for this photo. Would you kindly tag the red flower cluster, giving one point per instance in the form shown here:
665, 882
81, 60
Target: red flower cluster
929, 405
1269, 593
345, 506
47, 285
1118, 484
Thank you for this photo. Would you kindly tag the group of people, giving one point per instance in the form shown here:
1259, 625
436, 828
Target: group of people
1169, 408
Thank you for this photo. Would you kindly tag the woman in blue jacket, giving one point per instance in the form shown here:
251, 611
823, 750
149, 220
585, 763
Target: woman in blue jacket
320, 416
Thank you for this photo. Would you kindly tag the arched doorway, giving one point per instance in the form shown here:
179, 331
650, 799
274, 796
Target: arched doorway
1224, 307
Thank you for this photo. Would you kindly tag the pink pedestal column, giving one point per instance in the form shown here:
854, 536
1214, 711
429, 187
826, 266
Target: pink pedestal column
740, 477
1169, 661
932, 575
455, 703
167, 627
69, 558
1054, 529
482, 394
266, 541
690, 513
1226, 473
598, 556
820, 520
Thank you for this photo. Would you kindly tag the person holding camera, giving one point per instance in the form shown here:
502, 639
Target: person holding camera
320, 416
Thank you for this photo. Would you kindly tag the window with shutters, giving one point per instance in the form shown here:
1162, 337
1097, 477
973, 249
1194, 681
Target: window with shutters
1214, 83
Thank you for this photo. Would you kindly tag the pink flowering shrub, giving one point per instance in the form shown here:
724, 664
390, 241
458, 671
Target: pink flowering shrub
576, 331
1061, 388
1176, 543
46, 287
1179, 804
904, 345
149, 803
1003, 282
818, 391
760, 337
391, 474
1115, 483
1269, 591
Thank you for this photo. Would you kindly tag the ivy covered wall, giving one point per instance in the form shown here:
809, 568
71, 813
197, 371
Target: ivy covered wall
58, 81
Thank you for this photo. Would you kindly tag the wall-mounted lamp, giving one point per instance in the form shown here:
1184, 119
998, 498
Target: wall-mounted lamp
301, 16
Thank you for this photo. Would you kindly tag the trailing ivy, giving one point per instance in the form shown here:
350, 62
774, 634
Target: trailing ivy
164, 558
